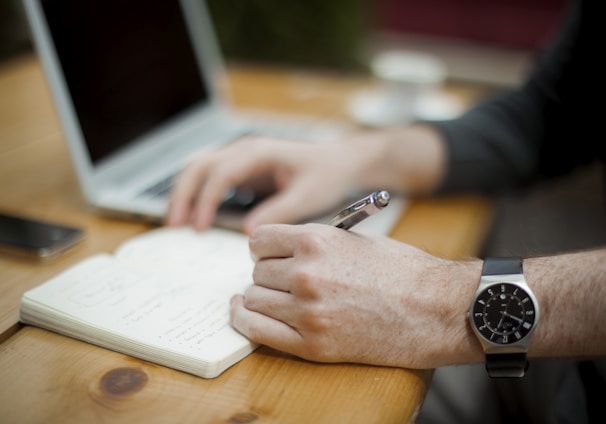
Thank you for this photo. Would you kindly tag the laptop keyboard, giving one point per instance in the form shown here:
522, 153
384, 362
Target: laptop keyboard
161, 188
274, 128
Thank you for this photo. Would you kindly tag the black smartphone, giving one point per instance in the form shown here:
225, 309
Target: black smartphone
36, 239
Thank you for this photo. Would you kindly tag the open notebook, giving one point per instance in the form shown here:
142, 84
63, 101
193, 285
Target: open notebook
137, 85
162, 296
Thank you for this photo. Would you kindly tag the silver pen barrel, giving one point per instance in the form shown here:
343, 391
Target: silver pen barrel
360, 210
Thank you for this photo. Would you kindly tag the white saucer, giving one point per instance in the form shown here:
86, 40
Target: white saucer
374, 108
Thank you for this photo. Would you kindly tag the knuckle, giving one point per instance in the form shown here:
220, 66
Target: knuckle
311, 241
254, 239
255, 333
318, 349
305, 282
313, 318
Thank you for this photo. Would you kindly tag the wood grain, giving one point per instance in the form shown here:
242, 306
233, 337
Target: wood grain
48, 378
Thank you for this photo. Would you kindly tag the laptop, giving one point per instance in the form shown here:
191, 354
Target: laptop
138, 89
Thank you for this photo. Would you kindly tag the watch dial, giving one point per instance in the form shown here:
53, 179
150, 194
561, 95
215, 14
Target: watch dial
504, 313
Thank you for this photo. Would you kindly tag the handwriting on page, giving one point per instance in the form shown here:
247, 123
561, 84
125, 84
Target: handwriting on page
213, 255
192, 326
143, 305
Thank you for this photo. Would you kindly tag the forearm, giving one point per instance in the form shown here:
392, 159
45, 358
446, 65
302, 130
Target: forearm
571, 291
409, 160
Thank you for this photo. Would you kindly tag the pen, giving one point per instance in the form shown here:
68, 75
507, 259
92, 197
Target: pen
360, 210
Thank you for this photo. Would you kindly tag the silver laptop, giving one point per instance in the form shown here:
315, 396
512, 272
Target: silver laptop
137, 88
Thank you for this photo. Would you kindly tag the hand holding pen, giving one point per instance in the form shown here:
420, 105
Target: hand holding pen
317, 292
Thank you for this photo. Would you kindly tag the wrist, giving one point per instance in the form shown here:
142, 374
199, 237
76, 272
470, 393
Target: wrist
408, 160
503, 315
456, 342
569, 287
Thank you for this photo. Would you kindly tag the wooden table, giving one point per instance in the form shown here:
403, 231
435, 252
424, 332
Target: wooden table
49, 378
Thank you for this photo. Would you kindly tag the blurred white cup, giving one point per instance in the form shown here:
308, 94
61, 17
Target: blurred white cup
403, 77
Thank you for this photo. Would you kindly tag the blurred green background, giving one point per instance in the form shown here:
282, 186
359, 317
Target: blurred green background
479, 40
309, 33
312, 32
14, 33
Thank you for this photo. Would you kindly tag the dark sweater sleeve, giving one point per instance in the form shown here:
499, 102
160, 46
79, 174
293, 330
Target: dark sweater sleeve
536, 131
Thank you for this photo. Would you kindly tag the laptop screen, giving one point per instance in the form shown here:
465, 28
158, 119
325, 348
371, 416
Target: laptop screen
129, 66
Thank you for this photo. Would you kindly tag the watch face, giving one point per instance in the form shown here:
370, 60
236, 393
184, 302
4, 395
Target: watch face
504, 313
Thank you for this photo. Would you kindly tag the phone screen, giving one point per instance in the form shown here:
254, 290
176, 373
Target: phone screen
35, 238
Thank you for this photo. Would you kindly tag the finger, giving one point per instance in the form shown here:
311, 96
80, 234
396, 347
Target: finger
184, 191
273, 274
188, 203
210, 197
263, 329
286, 207
276, 304
273, 241
235, 169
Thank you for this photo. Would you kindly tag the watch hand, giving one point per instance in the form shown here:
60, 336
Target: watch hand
514, 317
501, 320
504, 312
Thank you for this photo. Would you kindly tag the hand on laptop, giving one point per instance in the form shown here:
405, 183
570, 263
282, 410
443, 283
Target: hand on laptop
308, 179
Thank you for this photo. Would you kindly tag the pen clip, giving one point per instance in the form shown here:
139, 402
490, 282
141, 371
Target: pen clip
360, 210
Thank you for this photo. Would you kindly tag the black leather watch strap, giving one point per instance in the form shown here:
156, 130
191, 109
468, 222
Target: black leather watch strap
500, 266
506, 365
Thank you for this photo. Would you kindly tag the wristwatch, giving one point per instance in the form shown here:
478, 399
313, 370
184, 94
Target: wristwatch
503, 315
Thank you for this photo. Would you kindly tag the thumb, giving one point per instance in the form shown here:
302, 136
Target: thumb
286, 207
